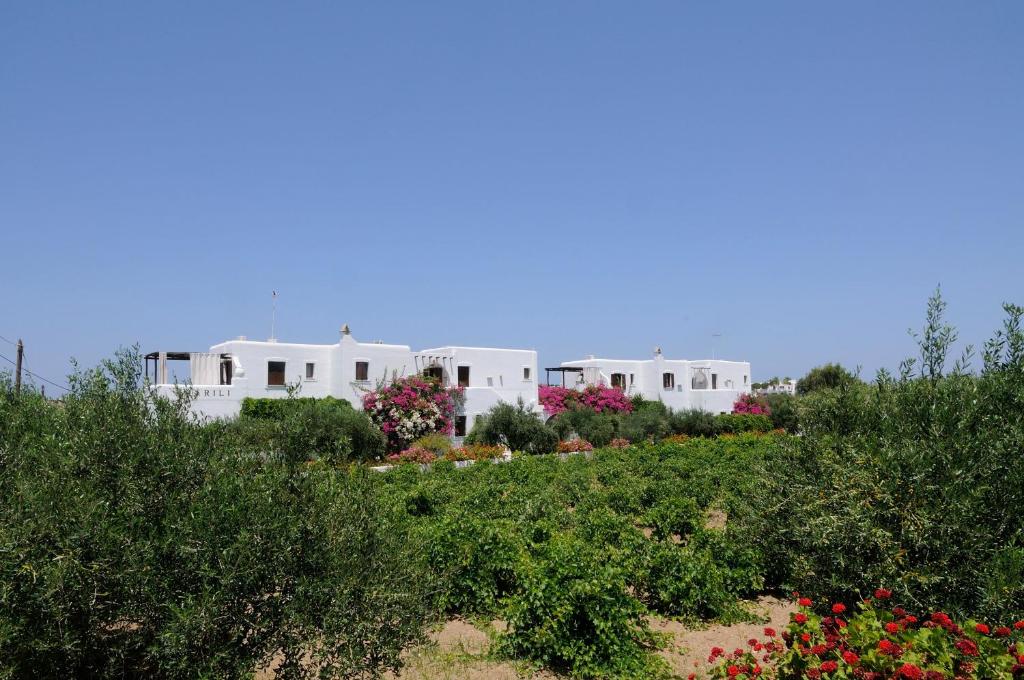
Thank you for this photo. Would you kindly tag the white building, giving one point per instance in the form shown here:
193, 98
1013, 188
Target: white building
780, 387
710, 384
236, 369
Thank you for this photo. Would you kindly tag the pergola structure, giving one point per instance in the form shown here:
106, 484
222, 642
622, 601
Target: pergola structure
563, 370
160, 360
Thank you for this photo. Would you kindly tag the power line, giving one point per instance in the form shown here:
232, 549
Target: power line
35, 375
10, 341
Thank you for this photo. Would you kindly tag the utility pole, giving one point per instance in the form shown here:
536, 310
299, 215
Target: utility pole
17, 369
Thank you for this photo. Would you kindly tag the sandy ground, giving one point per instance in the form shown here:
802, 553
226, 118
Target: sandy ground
688, 650
459, 650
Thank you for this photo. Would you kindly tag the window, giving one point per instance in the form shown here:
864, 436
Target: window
463, 376
434, 373
668, 380
526, 372
460, 426
275, 373
225, 371
619, 380
699, 379
631, 376
310, 370
362, 370
745, 379
714, 381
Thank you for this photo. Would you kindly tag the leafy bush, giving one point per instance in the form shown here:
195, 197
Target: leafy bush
735, 423
597, 428
136, 541
876, 642
693, 423
907, 482
436, 443
826, 377
477, 562
514, 426
573, 614
304, 427
784, 412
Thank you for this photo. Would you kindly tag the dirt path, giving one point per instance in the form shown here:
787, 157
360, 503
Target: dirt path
458, 650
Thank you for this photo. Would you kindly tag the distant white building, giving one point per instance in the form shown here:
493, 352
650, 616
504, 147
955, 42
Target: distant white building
781, 387
710, 384
236, 369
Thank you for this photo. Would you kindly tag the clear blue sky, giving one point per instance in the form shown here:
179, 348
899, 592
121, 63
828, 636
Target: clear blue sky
571, 177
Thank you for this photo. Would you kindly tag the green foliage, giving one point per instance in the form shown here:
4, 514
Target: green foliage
597, 428
135, 541
514, 426
479, 561
735, 423
693, 423
911, 482
302, 428
826, 377
784, 412
437, 443
573, 614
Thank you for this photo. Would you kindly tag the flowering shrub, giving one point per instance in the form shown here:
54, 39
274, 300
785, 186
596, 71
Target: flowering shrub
575, 446
618, 443
748, 403
474, 452
413, 454
412, 407
876, 643
598, 398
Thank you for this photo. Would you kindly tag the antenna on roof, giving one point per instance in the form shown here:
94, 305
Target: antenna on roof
273, 314
714, 339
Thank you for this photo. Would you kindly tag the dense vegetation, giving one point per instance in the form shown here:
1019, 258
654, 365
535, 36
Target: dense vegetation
136, 541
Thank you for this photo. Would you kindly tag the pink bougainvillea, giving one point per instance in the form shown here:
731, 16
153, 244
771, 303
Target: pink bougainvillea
555, 400
411, 407
749, 404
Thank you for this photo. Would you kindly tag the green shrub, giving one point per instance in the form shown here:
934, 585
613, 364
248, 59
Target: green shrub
650, 422
304, 427
586, 423
514, 426
136, 541
736, 423
682, 581
911, 482
674, 515
826, 377
784, 412
573, 614
477, 562
693, 423
437, 443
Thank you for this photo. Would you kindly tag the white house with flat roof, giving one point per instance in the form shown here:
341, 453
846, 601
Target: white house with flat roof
236, 369
709, 384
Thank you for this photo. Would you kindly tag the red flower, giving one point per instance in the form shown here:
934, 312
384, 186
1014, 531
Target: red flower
770, 632
892, 628
800, 617
909, 670
883, 594
806, 637
804, 602
889, 647
828, 667
899, 611
942, 619
838, 608
733, 671
850, 658
818, 650
967, 647
1003, 631
715, 653
982, 628
1019, 625
909, 619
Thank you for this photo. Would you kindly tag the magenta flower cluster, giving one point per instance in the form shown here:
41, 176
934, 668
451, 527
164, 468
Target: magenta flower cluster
751, 405
598, 398
412, 407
